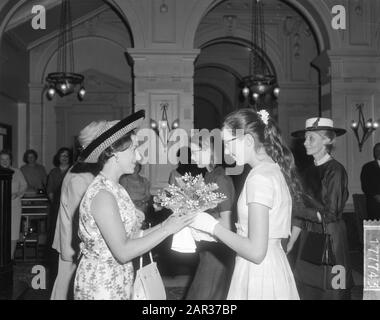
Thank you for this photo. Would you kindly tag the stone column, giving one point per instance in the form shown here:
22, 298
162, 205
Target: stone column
164, 77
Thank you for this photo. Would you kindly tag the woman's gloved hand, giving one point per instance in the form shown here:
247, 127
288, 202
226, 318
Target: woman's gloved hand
204, 222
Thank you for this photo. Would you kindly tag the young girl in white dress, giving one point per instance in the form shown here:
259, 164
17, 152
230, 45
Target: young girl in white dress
262, 271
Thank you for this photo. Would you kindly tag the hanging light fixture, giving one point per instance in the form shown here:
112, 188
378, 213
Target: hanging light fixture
65, 81
260, 81
162, 128
164, 7
366, 127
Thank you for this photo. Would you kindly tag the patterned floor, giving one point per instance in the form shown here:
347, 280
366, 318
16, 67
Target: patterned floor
175, 286
175, 269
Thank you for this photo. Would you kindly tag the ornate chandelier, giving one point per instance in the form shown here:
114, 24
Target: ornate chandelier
260, 81
65, 81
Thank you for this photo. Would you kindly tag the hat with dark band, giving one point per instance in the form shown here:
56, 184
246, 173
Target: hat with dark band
317, 124
110, 133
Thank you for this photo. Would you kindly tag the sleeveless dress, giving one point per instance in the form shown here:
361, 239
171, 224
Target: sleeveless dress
272, 279
99, 276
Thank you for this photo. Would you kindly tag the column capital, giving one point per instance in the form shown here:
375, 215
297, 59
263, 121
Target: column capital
351, 68
137, 53
163, 64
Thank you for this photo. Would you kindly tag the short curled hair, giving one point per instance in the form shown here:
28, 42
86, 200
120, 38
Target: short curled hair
8, 153
118, 146
56, 162
27, 153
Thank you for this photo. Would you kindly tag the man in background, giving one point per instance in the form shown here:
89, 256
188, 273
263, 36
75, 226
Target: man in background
370, 179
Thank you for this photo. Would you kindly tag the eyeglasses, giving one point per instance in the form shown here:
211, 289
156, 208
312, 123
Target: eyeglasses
226, 142
195, 150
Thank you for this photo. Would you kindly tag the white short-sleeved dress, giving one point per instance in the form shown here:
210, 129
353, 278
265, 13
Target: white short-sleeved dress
272, 279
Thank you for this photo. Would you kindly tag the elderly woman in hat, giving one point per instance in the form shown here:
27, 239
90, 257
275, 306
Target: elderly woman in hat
109, 224
66, 241
325, 195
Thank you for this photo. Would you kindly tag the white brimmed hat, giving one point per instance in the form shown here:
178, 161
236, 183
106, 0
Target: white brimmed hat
316, 124
110, 133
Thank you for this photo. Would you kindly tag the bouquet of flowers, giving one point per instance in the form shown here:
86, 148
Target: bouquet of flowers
191, 194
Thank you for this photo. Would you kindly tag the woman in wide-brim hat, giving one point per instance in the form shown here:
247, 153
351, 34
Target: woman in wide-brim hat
109, 224
325, 193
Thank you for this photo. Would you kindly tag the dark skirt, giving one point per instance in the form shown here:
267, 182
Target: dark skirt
373, 208
213, 275
318, 281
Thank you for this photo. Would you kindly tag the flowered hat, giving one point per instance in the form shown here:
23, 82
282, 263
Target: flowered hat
109, 133
316, 124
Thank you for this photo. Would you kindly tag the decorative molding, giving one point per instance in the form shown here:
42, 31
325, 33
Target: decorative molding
100, 82
230, 22
22, 17
294, 27
162, 84
160, 65
355, 68
243, 8
359, 18
76, 23
91, 25
141, 53
164, 25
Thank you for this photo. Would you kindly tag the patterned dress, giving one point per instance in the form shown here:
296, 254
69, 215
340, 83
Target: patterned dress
99, 276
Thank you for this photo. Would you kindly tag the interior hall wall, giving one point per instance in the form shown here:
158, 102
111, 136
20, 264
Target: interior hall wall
13, 89
99, 55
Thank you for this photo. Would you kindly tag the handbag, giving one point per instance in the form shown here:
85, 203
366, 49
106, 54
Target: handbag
317, 248
148, 284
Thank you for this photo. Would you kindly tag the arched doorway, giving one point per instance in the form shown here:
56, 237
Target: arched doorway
296, 36
98, 27
222, 63
314, 14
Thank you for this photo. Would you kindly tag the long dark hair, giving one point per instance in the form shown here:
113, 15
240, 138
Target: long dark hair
269, 137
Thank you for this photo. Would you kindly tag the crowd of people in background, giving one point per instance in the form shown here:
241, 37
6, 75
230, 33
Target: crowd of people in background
233, 267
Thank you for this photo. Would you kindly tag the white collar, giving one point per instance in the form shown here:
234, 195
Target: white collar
378, 161
326, 158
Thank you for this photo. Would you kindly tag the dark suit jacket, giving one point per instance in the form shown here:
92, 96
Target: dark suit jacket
370, 180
